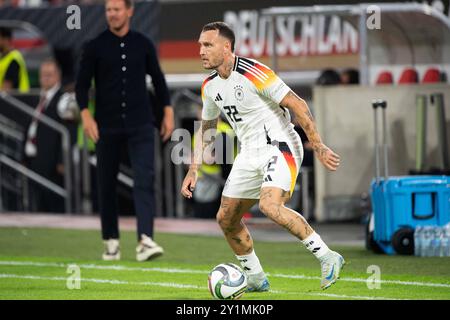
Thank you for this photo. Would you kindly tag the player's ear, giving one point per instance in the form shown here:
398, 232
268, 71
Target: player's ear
227, 46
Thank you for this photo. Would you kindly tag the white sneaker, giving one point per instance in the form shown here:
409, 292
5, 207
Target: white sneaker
148, 249
112, 250
331, 265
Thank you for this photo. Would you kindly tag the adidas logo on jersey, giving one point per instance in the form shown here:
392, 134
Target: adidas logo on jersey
218, 98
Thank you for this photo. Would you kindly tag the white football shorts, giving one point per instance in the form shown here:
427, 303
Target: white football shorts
275, 165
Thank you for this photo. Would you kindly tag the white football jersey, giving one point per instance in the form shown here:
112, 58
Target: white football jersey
250, 98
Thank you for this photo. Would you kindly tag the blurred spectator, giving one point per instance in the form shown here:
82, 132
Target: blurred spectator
13, 70
328, 77
350, 76
43, 152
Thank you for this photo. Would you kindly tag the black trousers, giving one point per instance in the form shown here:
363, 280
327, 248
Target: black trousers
140, 142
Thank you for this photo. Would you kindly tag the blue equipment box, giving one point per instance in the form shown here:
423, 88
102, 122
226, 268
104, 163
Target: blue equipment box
400, 204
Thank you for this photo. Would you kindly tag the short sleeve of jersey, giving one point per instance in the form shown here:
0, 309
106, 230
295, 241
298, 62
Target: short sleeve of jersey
273, 87
264, 80
210, 110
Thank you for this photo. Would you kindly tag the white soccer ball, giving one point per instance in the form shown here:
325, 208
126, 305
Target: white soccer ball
227, 281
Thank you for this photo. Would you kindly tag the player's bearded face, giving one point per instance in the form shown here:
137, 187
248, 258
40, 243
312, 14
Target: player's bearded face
211, 49
213, 62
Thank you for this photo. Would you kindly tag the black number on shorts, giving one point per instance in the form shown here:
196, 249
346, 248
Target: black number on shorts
272, 162
232, 113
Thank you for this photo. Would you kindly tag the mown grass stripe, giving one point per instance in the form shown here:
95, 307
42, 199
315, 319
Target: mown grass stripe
192, 271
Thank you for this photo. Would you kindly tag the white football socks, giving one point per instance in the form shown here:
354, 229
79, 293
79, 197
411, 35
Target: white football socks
250, 263
315, 244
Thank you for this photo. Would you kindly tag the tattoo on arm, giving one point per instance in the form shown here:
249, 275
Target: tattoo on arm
200, 147
209, 124
304, 118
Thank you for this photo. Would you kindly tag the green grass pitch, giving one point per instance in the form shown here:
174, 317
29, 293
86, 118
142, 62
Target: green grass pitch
34, 264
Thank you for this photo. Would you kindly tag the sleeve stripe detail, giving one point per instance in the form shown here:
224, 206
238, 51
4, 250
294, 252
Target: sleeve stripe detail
250, 62
212, 76
245, 64
255, 73
260, 75
236, 61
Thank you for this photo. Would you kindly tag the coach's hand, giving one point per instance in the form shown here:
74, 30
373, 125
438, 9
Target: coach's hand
89, 125
189, 183
329, 159
167, 124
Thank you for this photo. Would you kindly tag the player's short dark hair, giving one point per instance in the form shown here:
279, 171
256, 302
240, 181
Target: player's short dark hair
224, 31
5, 32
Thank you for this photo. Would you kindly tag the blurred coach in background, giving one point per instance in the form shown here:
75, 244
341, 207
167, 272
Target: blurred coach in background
118, 60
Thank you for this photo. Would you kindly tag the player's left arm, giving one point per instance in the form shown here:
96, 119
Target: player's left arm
304, 118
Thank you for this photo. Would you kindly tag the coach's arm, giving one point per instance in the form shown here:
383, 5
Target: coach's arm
82, 86
304, 118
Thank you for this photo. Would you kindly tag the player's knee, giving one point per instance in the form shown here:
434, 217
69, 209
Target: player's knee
221, 218
269, 207
226, 223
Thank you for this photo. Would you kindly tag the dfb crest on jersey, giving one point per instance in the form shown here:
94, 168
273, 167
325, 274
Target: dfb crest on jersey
239, 93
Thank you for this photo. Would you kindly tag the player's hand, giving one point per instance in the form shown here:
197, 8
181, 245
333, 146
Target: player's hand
167, 124
89, 125
329, 159
189, 183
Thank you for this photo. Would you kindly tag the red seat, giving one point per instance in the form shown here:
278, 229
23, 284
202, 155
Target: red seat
385, 77
432, 75
408, 75
247, 215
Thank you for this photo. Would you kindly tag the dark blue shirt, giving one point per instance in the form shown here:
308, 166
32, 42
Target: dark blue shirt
119, 66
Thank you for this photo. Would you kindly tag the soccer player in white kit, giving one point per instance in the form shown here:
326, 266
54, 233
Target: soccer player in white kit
256, 103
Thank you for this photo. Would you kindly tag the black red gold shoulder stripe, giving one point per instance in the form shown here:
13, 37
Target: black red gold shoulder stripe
260, 75
211, 76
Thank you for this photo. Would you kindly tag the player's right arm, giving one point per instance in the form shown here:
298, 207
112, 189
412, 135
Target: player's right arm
190, 180
210, 118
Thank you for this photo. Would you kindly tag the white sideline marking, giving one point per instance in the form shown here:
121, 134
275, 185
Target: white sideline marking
100, 267
180, 286
108, 281
401, 282
333, 295
191, 271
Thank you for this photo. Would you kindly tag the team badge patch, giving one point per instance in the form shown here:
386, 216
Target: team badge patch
239, 93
